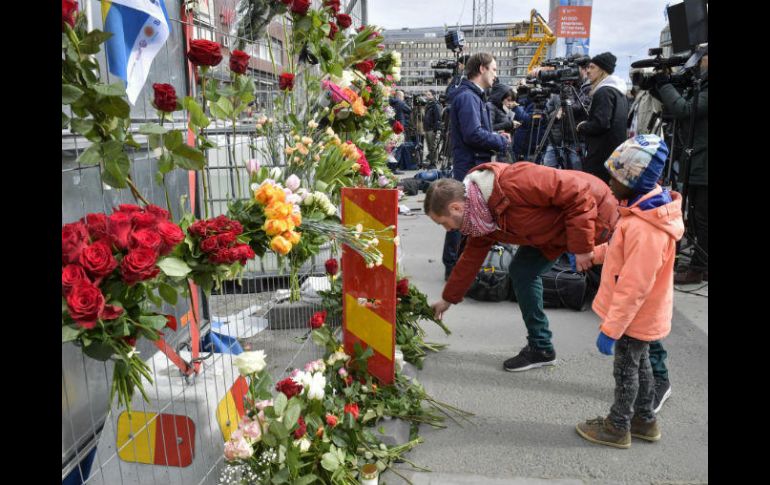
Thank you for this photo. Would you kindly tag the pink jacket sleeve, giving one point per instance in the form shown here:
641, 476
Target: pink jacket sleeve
600, 252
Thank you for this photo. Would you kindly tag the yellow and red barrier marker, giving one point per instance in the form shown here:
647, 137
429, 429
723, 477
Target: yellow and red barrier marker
371, 325
156, 439
230, 410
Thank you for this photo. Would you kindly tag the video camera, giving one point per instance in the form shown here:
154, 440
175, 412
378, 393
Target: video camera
680, 80
566, 70
419, 100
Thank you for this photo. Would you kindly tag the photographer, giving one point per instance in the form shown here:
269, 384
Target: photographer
432, 126
605, 128
681, 108
473, 141
524, 143
644, 108
402, 115
502, 101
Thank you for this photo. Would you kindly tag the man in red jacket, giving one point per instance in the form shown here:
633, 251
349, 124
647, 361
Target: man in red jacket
545, 211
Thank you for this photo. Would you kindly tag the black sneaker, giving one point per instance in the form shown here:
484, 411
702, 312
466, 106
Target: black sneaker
662, 393
530, 358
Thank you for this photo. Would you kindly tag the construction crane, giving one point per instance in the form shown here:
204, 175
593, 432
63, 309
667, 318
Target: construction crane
538, 32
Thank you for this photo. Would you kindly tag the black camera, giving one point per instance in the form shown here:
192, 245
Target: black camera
680, 80
454, 40
419, 100
444, 64
566, 70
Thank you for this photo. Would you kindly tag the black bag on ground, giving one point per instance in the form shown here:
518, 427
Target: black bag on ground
565, 288
411, 186
492, 283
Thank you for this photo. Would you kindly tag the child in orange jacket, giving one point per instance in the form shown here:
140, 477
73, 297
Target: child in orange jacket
635, 298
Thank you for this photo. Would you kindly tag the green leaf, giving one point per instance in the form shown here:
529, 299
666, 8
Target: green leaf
306, 479
79, 125
174, 267
269, 440
281, 477
114, 89
197, 117
114, 106
193, 158
168, 293
98, 351
335, 69
91, 42
69, 333
64, 121
154, 321
165, 163
152, 129
292, 413
330, 462
70, 93
173, 139
279, 403
91, 156
279, 430
118, 168
370, 414
340, 441
155, 141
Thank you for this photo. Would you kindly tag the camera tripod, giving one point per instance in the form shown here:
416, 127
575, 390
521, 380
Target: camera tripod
566, 104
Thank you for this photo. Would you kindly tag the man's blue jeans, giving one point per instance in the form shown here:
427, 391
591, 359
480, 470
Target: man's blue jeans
570, 158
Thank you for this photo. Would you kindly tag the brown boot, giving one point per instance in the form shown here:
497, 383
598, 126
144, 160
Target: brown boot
646, 431
688, 277
601, 431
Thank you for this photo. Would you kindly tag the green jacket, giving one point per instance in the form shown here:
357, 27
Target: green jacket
680, 107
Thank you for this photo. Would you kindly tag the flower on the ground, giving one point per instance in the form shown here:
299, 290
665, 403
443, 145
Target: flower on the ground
250, 362
352, 409
334, 5
402, 287
252, 430
204, 53
304, 444
337, 356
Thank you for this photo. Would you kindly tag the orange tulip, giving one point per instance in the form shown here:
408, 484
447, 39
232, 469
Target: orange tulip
296, 218
278, 210
292, 237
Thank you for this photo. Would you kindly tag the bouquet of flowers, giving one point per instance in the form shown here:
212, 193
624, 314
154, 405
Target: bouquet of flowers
113, 269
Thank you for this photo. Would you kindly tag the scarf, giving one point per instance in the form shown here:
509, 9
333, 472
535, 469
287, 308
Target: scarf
477, 220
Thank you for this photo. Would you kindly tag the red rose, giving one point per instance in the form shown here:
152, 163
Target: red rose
286, 81
243, 253
225, 240
239, 61
331, 266
352, 409
85, 302
398, 128
333, 29
361, 29
348, 380
128, 208
210, 244
119, 228
331, 420
289, 387
204, 53
165, 97
301, 428
198, 228
344, 20
365, 169
145, 238
332, 4
171, 322
143, 220
71, 275
365, 66
97, 225
170, 234
74, 238
159, 212
300, 6
139, 265
111, 312
402, 287
97, 259
223, 256
318, 319
130, 341
68, 10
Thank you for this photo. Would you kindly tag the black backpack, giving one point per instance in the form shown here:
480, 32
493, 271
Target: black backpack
411, 186
492, 283
565, 288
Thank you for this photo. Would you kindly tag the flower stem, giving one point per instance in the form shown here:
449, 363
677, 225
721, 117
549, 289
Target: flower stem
204, 70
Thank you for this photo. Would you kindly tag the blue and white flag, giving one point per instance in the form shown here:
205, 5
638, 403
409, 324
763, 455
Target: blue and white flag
139, 28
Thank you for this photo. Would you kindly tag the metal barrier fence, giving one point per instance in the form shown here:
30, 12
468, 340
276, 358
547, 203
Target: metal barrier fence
99, 444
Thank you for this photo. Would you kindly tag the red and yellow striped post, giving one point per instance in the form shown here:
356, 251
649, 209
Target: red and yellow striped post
231, 409
156, 439
371, 325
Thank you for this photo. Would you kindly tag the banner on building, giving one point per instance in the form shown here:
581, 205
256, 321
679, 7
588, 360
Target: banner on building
570, 20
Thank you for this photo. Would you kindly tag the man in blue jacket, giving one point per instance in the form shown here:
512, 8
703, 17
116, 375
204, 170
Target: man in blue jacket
473, 141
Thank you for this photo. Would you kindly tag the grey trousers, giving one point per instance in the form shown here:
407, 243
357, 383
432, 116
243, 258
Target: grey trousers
634, 383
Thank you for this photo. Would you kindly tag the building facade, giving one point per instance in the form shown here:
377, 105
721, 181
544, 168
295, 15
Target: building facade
420, 48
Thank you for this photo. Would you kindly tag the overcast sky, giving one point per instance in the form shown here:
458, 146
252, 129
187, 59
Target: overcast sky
627, 28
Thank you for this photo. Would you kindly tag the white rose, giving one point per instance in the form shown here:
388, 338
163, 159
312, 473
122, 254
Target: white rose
250, 362
317, 386
304, 444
